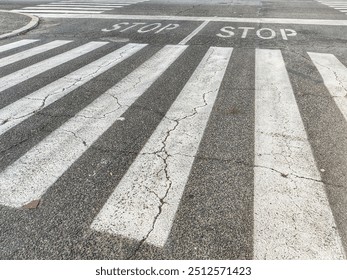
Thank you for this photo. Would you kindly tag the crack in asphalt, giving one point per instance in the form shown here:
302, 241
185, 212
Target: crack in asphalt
76, 81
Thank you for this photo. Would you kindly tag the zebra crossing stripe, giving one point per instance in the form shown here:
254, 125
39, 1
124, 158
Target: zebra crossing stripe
40, 67
144, 203
30, 176
79, 5
70, 8
31, 52
25, 107
57, 11
15, 45
334, 75
292, 216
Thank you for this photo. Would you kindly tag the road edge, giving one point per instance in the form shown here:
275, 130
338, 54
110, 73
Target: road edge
34, 22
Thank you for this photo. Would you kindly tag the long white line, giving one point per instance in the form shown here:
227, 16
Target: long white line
68, 8
292, 216
15, 45
30, 176
194, 33
40, 67
57, 11
144, 203
25, 107
83, 6
84, 3
334, 75
31, 52
212, 19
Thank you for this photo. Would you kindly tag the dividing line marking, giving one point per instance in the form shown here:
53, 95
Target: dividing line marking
144, 203
40, 67
31, 52
212, 19
25, 107
15, 45
195, 32
334, 75
29, 177
292, 216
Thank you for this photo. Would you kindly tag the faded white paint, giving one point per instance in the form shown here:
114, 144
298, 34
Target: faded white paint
40, 67
144, 203
25, 107
334, 75
292, 216
31, 52
17, 44
296, 21
29, 177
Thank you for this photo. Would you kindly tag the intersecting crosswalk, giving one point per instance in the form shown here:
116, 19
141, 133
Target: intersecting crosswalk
78, 7
340, 6
145, 201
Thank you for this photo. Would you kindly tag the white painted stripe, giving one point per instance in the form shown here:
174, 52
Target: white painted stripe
25, 107
83, 6
334, 75
40, 67
15, 45
56, 11
212, 19
292, 216
144, 203
30, 176
86, 3
68, 8
31, 52
194, 33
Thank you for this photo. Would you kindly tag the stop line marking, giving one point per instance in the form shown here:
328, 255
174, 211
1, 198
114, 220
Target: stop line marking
296, 21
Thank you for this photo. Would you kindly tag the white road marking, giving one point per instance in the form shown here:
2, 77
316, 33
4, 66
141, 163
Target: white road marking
29, 177
40, 67
194, 33
25, 107
68, 8
212, 19
82, 6
145, 201
85, 3
292, 216
334, 75
15, 45
31, 52
57, 11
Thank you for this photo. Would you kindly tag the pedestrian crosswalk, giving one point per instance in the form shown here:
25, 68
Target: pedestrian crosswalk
78, 7
291, 208
340, 6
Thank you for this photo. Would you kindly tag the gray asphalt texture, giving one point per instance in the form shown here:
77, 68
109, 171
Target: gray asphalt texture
12, 21
215, 216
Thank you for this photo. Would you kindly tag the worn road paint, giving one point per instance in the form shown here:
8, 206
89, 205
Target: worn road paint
334, 75
292, 216
25, 107
144, 203
296, 21
31, 52
47, 64
29, 177
194, 33
15, 45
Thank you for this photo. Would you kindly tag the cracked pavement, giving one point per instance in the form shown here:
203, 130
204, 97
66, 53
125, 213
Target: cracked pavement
157, 159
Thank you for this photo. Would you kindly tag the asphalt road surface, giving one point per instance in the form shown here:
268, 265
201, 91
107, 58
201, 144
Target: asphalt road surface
175, 129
